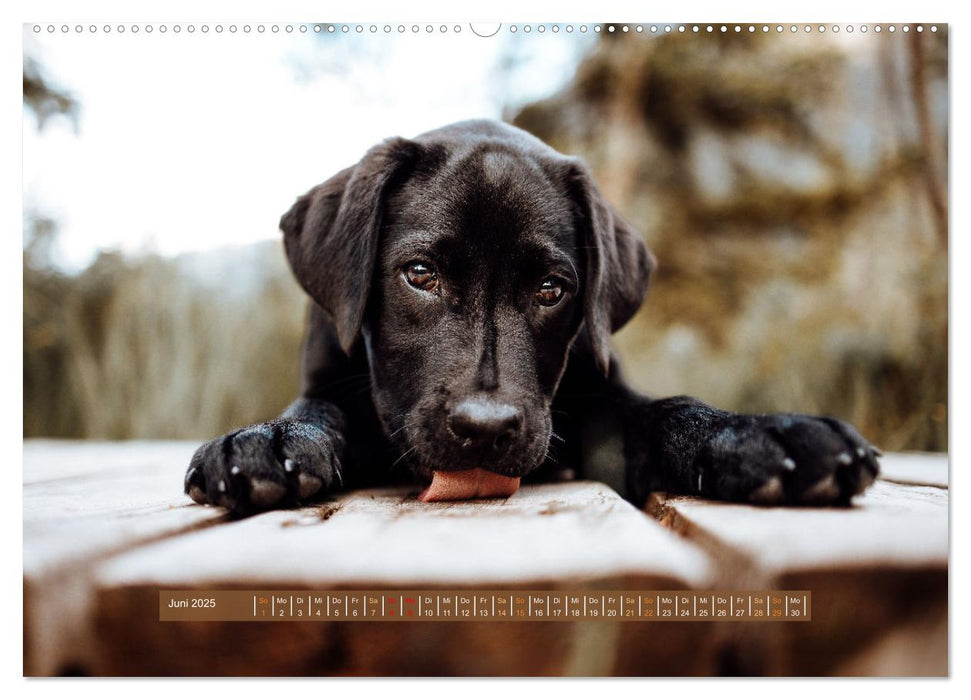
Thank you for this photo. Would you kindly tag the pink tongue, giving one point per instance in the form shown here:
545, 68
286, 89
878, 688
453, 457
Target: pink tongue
471, 483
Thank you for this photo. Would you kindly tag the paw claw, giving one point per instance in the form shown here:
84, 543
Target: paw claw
194, 486
197, 495
844, 459
788, 464
264, 493
288, 465
309, 485
867, 477
769, 493
824, 491
221, 486
235, 470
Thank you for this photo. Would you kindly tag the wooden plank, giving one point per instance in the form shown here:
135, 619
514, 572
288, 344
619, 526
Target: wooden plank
919, 468
890, 524
876, 567
75, 511
106, 525
558, 536
555, 532
84, 502
46, 460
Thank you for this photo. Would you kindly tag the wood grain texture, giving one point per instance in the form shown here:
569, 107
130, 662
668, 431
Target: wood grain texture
877, 571
83, 503
919, 468
555, 532
554, 536
891, 524
106, 526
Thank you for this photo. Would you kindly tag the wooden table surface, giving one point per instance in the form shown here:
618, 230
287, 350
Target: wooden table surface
106, 526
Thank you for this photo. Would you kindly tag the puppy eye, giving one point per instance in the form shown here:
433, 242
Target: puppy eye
550, 292
422, 276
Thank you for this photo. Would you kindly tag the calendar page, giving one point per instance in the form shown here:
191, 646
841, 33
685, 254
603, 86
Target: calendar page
437, 348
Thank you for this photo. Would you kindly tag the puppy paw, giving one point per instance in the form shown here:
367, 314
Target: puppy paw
786, 459
265, 466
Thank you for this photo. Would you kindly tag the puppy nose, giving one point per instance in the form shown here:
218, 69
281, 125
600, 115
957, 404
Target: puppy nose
486, 423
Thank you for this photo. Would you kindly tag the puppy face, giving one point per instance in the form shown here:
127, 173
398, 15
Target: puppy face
475, 304
467, 260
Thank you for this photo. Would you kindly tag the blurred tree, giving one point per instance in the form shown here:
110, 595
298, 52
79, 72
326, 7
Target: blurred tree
139, 347
792, 188
44, 100
48, 407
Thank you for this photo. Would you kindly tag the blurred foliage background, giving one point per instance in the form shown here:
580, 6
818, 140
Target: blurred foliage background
794, 190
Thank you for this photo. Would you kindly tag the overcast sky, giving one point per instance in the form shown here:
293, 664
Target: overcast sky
191, 142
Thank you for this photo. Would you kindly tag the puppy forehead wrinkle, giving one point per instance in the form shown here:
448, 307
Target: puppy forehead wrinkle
406, 241
485, 182
487, 194
498, 167
503, 168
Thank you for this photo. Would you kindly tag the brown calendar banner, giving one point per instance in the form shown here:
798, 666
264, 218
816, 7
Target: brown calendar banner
482, 605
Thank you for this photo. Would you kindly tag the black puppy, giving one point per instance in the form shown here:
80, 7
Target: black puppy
466, 284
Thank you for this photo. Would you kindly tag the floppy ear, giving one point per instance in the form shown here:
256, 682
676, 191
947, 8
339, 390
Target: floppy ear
618, 264
331, 234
